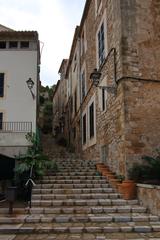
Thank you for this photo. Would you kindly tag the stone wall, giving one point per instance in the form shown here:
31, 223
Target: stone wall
110, 124
141, 38
149, 196
142, 118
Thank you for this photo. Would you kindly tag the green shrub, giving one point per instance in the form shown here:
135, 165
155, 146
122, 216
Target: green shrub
149, 170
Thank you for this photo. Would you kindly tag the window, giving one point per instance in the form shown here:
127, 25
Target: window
101, 45
75, 101
13, 44
89, 124
98, 3
74, 132
98, 7
1, 84
103, 99
83, 84
24, 44
91, 120
71, 106
104, 153
2, 45
102, 95
84, 129
1, 120
75, 63
82, 44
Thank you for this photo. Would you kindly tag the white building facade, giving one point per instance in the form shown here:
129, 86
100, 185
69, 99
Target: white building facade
19, 61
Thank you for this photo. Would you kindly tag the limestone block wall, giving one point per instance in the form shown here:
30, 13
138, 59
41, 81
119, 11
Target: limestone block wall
149, 196
142, 118
140, 38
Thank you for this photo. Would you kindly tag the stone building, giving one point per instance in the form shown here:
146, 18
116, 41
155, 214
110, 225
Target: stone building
120, 123
60, 97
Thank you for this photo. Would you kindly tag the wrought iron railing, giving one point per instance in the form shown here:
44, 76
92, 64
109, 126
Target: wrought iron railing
17, 127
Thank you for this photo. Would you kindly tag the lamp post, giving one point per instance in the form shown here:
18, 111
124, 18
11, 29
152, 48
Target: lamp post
95, 77
30, 85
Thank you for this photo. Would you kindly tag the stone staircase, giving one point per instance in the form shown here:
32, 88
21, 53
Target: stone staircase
78, 203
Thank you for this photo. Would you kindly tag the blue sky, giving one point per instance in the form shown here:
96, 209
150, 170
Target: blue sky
55, 21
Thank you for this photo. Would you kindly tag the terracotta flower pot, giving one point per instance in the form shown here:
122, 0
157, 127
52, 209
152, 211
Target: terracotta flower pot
99, 164
105, 172
120, 188
114, 183
128, 188
111, 176
102, 167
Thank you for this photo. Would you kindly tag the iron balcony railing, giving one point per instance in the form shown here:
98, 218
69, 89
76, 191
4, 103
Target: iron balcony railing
16, 127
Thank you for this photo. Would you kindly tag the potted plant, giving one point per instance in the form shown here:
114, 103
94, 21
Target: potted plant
31, 165
128, 189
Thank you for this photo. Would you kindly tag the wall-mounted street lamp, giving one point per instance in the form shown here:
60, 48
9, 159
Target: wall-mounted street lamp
95, 77
30, 85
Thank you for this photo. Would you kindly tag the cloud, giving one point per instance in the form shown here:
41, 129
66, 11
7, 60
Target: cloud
55, 20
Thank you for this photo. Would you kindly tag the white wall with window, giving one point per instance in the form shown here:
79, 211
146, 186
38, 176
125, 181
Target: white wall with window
89, 124
101, 41
18, 107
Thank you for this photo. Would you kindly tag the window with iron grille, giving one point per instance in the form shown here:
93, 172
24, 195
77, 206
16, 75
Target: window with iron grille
1, 120
101, 45
1, 84
84, 129
91, 120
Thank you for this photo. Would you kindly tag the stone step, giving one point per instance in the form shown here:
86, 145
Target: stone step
73, 177
76, 168
77, 195
71, 190
75, 163
91, 173
83, 202
89, 210
17, 211
28, 228
76, 210
73, 182
83, 236
72, 166
70, 186
80, 218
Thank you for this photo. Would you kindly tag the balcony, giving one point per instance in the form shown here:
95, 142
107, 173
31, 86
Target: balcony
15, 127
